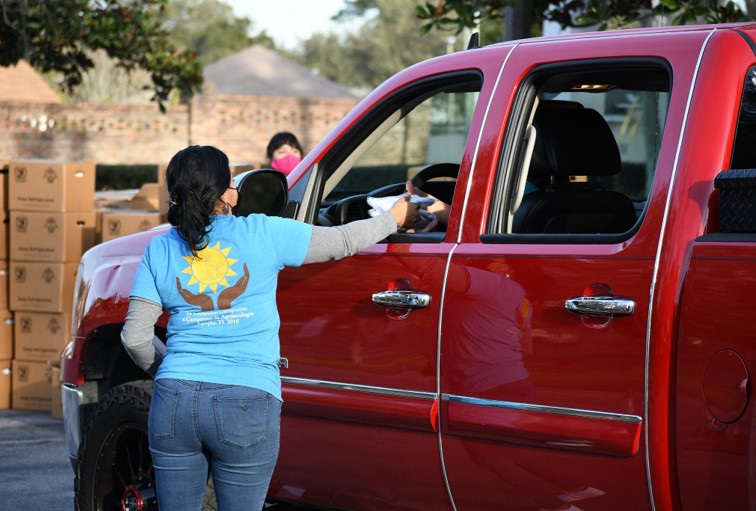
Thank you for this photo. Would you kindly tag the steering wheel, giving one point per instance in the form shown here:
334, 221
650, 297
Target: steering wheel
419, 180
356, 208
433, 171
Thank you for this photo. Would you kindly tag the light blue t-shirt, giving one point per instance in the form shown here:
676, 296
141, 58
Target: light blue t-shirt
223, 324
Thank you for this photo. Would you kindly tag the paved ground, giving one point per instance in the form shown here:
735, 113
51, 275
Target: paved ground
35, 471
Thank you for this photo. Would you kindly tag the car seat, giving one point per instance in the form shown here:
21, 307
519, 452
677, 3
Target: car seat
573, 142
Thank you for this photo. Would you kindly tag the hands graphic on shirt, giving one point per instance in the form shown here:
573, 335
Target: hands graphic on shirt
228, 295
204, 302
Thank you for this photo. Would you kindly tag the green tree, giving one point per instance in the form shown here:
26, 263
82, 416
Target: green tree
387, 40
326, 54
59, 36
456, 15
209, 29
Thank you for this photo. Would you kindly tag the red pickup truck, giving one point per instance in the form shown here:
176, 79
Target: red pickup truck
580, 333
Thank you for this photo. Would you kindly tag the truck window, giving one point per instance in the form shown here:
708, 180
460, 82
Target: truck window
744, 150
585, 152
418, 133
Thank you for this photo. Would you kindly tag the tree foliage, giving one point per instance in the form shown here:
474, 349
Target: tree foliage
387, 40
456, 15
209, 29
60, 36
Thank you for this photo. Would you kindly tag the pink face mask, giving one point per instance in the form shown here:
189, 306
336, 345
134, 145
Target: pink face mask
286, 164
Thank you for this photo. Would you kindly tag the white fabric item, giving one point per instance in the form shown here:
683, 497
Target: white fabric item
380, 204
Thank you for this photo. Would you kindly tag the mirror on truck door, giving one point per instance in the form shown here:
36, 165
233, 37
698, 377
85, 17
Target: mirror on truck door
263, 191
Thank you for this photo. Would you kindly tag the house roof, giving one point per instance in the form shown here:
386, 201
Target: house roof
259, 71
21, 83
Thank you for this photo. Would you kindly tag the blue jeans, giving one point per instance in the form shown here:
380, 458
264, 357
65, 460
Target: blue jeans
229, 431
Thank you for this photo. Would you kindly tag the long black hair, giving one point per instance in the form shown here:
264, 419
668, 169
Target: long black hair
197, 176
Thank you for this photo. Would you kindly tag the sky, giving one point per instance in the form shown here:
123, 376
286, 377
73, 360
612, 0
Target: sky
289, 22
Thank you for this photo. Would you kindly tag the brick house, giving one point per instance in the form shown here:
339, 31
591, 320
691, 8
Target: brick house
247, 98
270, 93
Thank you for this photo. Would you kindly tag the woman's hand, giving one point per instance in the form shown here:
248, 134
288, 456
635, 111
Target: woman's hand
416, 191
405, 212
438, 208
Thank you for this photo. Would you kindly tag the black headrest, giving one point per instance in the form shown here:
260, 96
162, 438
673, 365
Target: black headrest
573, 142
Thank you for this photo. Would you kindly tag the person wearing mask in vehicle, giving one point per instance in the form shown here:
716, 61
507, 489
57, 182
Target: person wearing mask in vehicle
217, 392
284, 152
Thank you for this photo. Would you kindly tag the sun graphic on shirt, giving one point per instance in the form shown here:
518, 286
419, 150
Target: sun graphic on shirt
210, 267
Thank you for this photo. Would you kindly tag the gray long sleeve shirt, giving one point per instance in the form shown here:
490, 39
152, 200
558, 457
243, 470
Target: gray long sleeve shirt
327, 243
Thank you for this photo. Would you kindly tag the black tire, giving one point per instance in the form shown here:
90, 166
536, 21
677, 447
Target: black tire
114, 471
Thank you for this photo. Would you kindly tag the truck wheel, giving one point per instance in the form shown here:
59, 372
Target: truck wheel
114, 471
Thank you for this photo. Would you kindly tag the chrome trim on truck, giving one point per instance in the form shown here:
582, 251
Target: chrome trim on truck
528, 407
370, 389
72, 399
558, 410
552, 427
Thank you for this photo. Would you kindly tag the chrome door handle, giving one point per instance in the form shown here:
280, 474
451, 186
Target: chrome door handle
402, 299
601, 305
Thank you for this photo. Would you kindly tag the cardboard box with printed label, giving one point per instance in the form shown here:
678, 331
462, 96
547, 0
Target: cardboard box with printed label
41, 287
6, 334
56, 237
40, 335
30, 388
51, 185
117, 223
5, 383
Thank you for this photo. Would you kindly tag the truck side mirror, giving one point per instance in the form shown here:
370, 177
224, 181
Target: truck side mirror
263, 191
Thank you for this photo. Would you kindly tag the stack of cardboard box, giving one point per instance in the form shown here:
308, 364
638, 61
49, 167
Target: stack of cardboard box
144, 210
52, 222
49, 216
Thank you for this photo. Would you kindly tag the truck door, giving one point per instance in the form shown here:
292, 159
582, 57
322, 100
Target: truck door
360, 335
546, 311
714, 408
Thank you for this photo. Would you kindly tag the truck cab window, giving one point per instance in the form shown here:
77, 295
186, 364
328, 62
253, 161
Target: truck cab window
589, 152
418, 134
744, 151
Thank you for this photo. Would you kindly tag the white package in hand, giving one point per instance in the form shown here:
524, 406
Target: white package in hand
382, 204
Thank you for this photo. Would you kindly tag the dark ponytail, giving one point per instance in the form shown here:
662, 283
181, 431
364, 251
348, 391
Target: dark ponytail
197, 176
